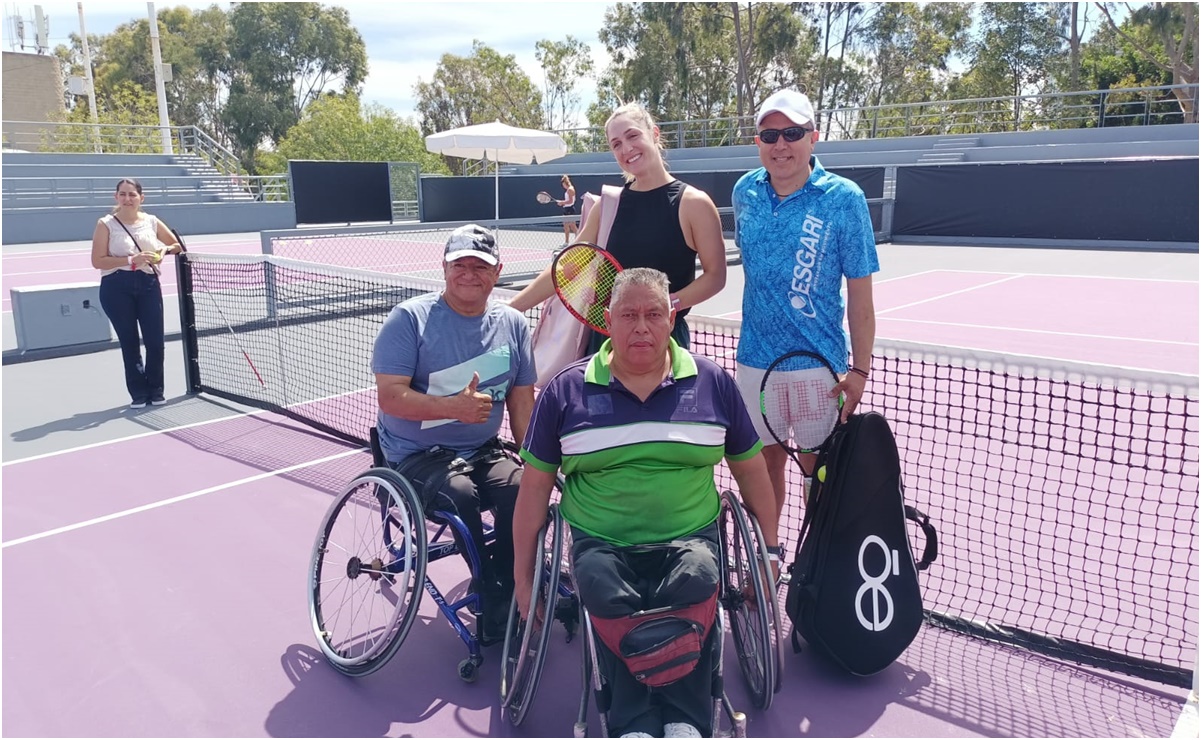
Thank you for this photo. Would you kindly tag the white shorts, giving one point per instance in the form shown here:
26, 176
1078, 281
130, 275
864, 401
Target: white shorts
806, 404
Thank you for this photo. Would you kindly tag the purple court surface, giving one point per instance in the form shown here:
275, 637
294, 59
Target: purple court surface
155, 562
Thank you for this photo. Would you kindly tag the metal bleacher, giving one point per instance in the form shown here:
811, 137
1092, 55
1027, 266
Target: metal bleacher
1169, 140
54, 179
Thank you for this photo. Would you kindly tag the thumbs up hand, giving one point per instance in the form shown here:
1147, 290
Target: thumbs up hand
471, 406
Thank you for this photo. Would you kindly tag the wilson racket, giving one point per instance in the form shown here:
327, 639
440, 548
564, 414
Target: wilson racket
796, 402
183, 251
583, 276
545, 197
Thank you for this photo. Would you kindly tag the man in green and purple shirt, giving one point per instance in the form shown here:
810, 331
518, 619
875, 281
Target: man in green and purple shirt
637, 430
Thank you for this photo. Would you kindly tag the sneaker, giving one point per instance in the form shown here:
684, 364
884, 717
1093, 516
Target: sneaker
640, 734
158, 401
138, 405
680, 729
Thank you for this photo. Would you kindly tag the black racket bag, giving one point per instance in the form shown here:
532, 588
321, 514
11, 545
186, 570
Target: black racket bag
854, 592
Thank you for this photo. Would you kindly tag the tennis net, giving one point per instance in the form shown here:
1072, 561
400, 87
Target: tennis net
1065, 496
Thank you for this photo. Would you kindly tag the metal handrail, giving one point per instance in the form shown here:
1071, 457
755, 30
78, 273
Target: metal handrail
1096, 108
111, 138
163, 189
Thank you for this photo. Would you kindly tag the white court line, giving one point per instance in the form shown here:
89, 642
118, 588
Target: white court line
81, 268
175, 500
1044, 331
231, 417
106, 442
41, 253
1054, 275
948, 295
913, 274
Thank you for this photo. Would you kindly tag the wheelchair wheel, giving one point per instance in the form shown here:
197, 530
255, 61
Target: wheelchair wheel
367, 572
751, 602
526, 640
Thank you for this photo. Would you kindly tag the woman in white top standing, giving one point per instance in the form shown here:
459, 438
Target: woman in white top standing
127, 247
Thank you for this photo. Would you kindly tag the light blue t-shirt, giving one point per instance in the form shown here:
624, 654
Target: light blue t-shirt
795, 253
425, 339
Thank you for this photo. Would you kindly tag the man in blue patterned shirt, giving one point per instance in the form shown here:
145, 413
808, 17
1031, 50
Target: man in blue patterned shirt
801, 230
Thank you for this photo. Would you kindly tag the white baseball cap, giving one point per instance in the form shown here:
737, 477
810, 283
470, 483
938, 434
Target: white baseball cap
794, 105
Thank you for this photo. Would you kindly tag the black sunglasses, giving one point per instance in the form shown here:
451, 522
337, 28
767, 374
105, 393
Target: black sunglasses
791, 134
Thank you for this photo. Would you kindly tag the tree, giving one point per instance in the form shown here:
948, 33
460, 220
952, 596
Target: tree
338, 127
128, 119
285, 55
688, 61
1175, 27
908, 48
484, 87
563, 64
194, 43
1019, 47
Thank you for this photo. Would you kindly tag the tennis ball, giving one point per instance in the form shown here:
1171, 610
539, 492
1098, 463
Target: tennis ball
821, 474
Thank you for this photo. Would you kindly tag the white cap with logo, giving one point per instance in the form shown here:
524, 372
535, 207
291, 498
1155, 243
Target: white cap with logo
794, 105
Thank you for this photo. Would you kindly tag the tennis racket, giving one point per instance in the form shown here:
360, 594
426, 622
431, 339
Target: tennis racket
796, 402
183, 250
583, 276
545, 197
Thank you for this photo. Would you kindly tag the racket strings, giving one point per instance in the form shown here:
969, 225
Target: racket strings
801, 410
584, 280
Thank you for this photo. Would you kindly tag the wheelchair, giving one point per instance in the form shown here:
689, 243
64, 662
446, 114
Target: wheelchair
747, 601
368, 571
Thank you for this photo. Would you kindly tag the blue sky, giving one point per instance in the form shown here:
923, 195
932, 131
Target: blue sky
404, 40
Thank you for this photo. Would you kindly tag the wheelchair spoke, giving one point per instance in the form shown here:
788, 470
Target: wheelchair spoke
365, 581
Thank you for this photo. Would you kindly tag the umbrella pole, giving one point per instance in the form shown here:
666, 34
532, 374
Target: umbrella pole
496, 189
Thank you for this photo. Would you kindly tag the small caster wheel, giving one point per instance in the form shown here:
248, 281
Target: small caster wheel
468, 670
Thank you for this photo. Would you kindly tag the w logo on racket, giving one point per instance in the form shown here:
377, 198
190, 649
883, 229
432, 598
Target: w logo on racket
797, 402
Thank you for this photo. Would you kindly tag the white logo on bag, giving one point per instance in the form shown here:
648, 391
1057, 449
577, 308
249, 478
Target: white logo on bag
875, 584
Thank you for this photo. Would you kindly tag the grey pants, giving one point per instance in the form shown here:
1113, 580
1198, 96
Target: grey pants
617, 581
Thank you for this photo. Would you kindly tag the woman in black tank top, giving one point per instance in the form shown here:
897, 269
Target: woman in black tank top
661, 223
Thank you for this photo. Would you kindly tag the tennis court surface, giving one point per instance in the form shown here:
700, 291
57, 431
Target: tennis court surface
155, 563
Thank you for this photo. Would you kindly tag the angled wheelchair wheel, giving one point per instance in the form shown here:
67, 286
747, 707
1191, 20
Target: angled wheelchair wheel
526, 640
750, 598
367, 572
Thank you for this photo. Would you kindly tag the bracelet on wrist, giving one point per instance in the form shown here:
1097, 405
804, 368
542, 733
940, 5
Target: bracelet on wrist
859, 372
774, 550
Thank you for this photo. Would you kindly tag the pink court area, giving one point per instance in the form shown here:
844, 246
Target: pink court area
61, 266
1122, 322
168, 598
1117, 322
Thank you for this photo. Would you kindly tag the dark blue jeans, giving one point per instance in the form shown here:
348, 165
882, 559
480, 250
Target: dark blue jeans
133, 299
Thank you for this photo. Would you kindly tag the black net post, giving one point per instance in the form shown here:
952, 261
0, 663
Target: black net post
187, 323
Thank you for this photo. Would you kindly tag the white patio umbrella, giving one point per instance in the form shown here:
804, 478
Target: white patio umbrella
498, 142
